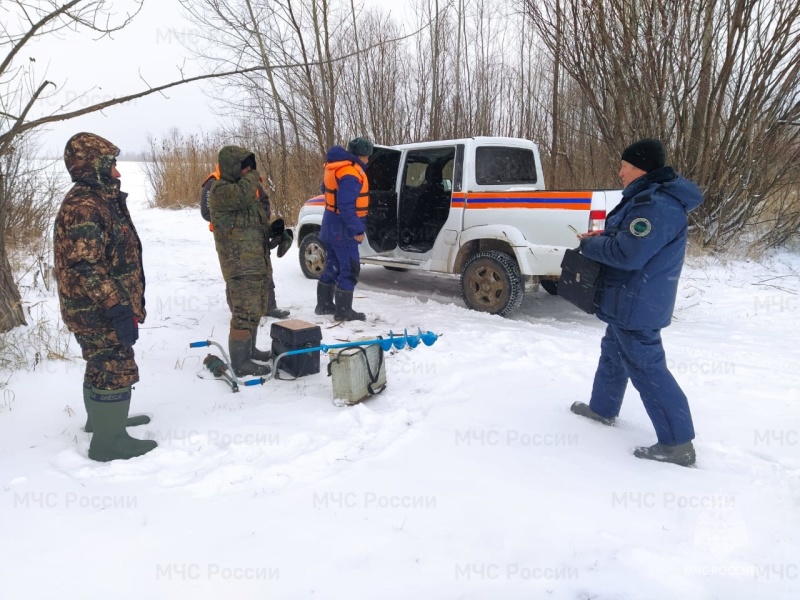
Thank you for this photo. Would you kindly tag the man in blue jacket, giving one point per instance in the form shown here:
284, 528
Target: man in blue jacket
643, 248
346, 190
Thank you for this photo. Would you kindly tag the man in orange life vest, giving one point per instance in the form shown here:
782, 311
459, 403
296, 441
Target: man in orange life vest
276, 237
346, 191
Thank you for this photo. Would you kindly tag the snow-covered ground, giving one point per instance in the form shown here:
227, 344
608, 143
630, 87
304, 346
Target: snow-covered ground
467, 478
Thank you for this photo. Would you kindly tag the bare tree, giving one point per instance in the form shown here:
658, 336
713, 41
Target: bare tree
362, 125
436, 43
382, 81
21, 88
715, 79
20, 91
554, 147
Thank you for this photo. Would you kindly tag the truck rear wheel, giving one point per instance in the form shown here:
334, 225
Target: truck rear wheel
312, 256
491, 282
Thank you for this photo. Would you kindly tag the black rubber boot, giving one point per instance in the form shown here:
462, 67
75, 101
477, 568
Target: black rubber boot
260, 355
240, 346
682, 454
344, 307
325, 305
273, 310
579, 408
131, 421
108, 411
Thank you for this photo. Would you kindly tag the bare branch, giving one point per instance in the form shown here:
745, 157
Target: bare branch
7, 138
34, 30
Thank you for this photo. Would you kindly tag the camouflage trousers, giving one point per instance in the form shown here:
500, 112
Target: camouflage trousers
269, 289
248, 298
109, 366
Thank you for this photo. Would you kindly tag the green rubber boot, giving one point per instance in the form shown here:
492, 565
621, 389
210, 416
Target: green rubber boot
273, 310
108, 412
259, 355
240, 347
131, 422
344, 307
325, 305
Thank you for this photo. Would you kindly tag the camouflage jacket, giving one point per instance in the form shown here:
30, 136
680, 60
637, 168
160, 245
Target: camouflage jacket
241, 226
97, 252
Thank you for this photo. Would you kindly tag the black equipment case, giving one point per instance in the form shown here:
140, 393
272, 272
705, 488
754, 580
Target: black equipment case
581, 280
295, 334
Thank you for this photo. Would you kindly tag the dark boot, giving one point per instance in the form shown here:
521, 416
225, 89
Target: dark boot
344, 307
682, 454
260, 355
273, 310
108, 411
240, 346
325, 305
579, 408
131, 422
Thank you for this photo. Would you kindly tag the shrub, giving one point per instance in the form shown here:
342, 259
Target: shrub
176, 167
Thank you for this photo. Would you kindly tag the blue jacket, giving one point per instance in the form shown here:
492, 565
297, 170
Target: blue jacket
643, 247
342, 228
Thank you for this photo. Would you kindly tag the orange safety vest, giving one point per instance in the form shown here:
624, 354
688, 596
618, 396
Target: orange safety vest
333, 173
214, 175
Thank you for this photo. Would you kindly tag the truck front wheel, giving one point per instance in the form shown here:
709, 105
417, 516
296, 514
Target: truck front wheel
312, 256
491, 282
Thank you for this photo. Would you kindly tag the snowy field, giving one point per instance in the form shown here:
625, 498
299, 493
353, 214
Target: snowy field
467, 478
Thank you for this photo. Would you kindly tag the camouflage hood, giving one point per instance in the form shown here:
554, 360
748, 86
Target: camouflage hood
89, 159
230, 162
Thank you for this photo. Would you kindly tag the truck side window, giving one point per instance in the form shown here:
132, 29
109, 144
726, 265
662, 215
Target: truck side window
382, 171
415, 174
447, 175
496, 165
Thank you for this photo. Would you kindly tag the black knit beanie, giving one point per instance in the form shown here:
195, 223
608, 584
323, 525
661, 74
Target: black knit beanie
647, 155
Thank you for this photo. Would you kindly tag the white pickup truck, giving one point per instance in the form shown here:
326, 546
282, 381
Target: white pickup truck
477, 207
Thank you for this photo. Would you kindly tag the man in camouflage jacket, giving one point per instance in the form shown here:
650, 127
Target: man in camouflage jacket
241, 235
98, 266
280, 238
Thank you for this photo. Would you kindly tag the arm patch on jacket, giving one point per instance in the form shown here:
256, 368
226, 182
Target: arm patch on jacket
640, 227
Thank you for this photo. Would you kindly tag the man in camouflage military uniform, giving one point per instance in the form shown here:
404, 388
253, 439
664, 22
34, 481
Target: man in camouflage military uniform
241, 235
98, 265
280, 238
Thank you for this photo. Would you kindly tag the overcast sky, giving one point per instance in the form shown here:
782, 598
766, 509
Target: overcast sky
88, 70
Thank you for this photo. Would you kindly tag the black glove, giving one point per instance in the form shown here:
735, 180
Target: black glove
276, 228
286, 242
125, 326
250, 161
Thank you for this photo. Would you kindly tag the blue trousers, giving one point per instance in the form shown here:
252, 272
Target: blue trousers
639, 356
342, 265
